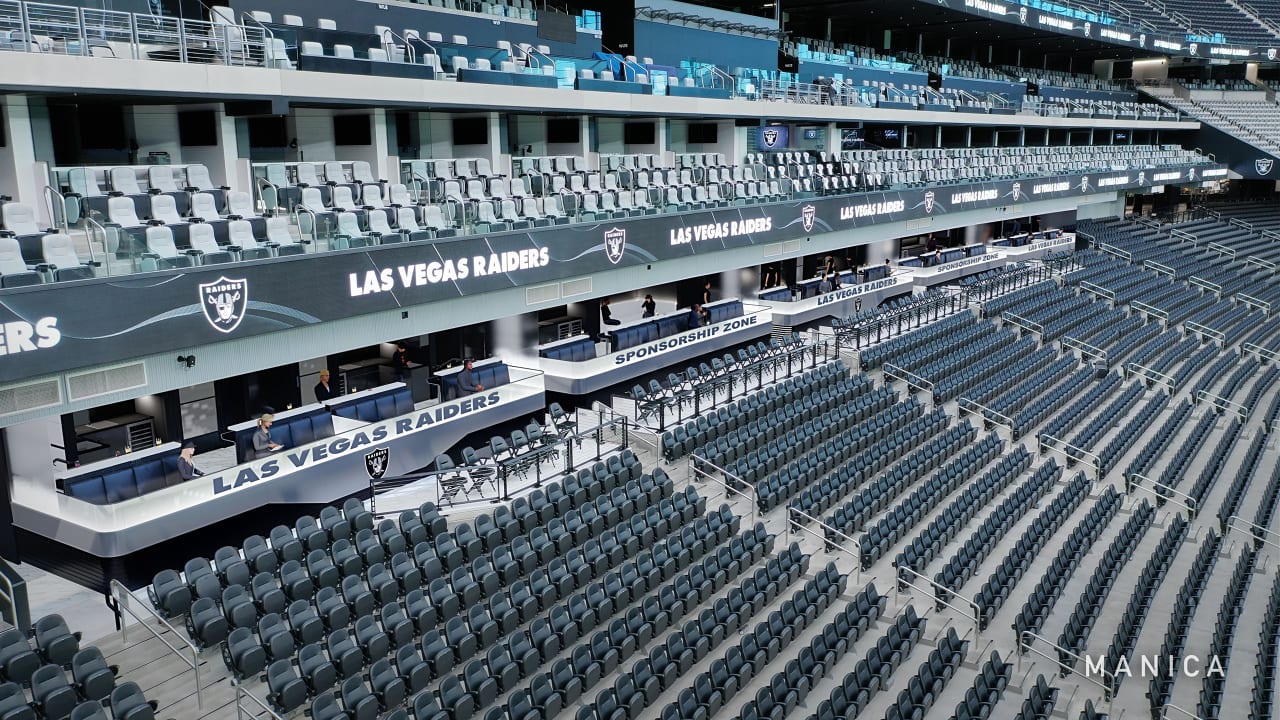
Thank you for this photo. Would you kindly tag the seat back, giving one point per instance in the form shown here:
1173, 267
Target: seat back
125, 180
204, 207
121, 211
19, 218
160, 241
240, 203
165, 209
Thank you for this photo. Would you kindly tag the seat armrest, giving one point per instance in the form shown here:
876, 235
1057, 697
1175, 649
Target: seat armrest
115, 193
235, 217
304, 185
44, 267
224, 188
271, 244
150, 256
193, 252
368, 208
234, 248
191, 189
7, 234
155, 223
153, 191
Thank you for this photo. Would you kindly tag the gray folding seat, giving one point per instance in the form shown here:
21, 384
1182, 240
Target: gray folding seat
169, 594
344, 654
454, 699
332, 610
128, 703
345, 558
477, 681
459, 637
482, 627
243, 655
276, 638
93, 678
370, 550
295, 582
543, 639
304, 622
50, 693
321, 569
286, 692
205, 624
543, 696
373, 641
388, 687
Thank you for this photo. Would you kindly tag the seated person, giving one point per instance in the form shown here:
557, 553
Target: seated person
698, 317
186, 468
466, 380
262, 441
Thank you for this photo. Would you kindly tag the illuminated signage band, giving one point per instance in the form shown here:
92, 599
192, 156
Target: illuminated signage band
1107, 29
95, 322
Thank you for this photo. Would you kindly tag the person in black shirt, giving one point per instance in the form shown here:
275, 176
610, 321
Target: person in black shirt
606, 315
401, 361
706, 293
324, 391
648, 306
770, 278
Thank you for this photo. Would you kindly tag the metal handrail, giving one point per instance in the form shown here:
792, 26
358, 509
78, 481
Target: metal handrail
1150, 374
1026, 647
241, 693
694, 469
50, 192
1222, 403
1255, 529
792, 525
1061, 446
973, 612
1189, 501
124, 600
389, 33
19, 614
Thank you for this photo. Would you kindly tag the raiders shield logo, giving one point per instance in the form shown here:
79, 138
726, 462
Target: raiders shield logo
1017, 190
615, 244
1263, 165
1191, 174
1088, 29
808, 214
1084, 183
1142, 178
1142, 40
1271, 54
224, 302
1022, 15
928, 201
375, 463
770, 137
1192, 48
